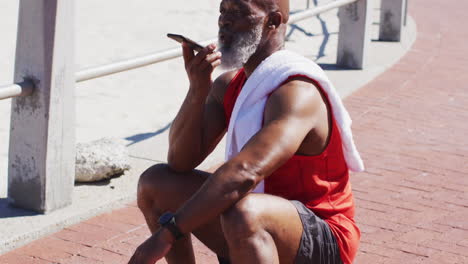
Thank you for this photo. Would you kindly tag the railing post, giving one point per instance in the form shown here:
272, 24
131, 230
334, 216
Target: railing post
354, 34
405, 18
42, 137
392, 18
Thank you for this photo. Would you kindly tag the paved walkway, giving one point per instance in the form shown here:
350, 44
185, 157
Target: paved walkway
410, 126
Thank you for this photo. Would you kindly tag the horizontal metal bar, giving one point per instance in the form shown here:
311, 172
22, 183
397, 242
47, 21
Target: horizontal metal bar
318, 10
103, 70
124, 65
17, 89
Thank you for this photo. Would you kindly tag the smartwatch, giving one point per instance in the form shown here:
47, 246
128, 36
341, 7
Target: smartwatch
167, 220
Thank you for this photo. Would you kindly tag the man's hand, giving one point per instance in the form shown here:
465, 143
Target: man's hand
200, 122
200, 67
154, 248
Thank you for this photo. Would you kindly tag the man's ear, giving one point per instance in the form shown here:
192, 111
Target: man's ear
275, 19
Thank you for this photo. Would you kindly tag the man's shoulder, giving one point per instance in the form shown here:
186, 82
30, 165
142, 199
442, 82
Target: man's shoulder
300, 81
221, 84
299, 94
296, 87
223, 80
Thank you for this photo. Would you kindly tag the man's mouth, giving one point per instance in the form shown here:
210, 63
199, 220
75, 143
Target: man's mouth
224, 38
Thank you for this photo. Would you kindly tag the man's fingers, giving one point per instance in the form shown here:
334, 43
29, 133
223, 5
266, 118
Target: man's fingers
213, 56
187, 52
216, 63
209, 67
203, 53
208, 62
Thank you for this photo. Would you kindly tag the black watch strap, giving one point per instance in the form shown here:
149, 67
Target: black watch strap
167, 220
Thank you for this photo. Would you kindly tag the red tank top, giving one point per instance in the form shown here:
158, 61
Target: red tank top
321, 182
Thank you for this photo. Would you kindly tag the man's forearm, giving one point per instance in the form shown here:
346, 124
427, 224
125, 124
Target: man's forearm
185, 135
224, 188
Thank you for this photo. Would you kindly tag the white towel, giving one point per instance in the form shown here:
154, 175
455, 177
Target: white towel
247, 115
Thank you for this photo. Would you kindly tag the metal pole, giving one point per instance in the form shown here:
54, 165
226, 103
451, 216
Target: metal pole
41, 169
13, 90
107, 69
406, 12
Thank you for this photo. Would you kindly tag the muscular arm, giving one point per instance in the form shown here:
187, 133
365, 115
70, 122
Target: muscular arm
291, 112
200, 123
198, 127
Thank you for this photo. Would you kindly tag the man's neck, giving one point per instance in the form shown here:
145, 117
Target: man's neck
257, 58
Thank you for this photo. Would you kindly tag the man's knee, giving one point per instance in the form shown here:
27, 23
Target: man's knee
161, 187
153, 176
242, 219
152, 182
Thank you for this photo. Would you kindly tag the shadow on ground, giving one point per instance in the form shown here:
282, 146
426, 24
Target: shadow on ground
103, 182
9, 211
143, 136
332, 67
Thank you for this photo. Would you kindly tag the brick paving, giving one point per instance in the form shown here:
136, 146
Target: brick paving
410, 125
109, 238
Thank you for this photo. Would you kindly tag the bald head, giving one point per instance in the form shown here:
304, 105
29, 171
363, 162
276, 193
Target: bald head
281, 6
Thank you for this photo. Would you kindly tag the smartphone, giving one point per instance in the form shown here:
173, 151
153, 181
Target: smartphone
179, 38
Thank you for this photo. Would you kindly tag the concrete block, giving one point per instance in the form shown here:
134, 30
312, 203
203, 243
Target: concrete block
42, 135
354, 34
392, 19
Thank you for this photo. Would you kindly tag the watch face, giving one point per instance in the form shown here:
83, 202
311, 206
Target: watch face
165, 218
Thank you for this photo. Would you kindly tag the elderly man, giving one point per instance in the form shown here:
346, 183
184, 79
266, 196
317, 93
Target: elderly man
283, 194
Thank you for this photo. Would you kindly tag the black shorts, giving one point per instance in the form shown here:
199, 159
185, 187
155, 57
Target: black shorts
318, 244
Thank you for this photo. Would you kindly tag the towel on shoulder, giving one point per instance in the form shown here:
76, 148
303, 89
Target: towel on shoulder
247, 115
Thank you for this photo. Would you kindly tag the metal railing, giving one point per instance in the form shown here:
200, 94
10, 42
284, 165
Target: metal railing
129, 64
13, 90
152, 58
51, 109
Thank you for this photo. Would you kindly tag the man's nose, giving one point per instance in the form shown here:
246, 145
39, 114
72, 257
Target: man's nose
223, 22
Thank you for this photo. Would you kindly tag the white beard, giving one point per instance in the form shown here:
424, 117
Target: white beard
243, 47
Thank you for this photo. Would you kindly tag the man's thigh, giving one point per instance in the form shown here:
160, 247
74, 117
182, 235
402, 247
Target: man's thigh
276, 215
170, 189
